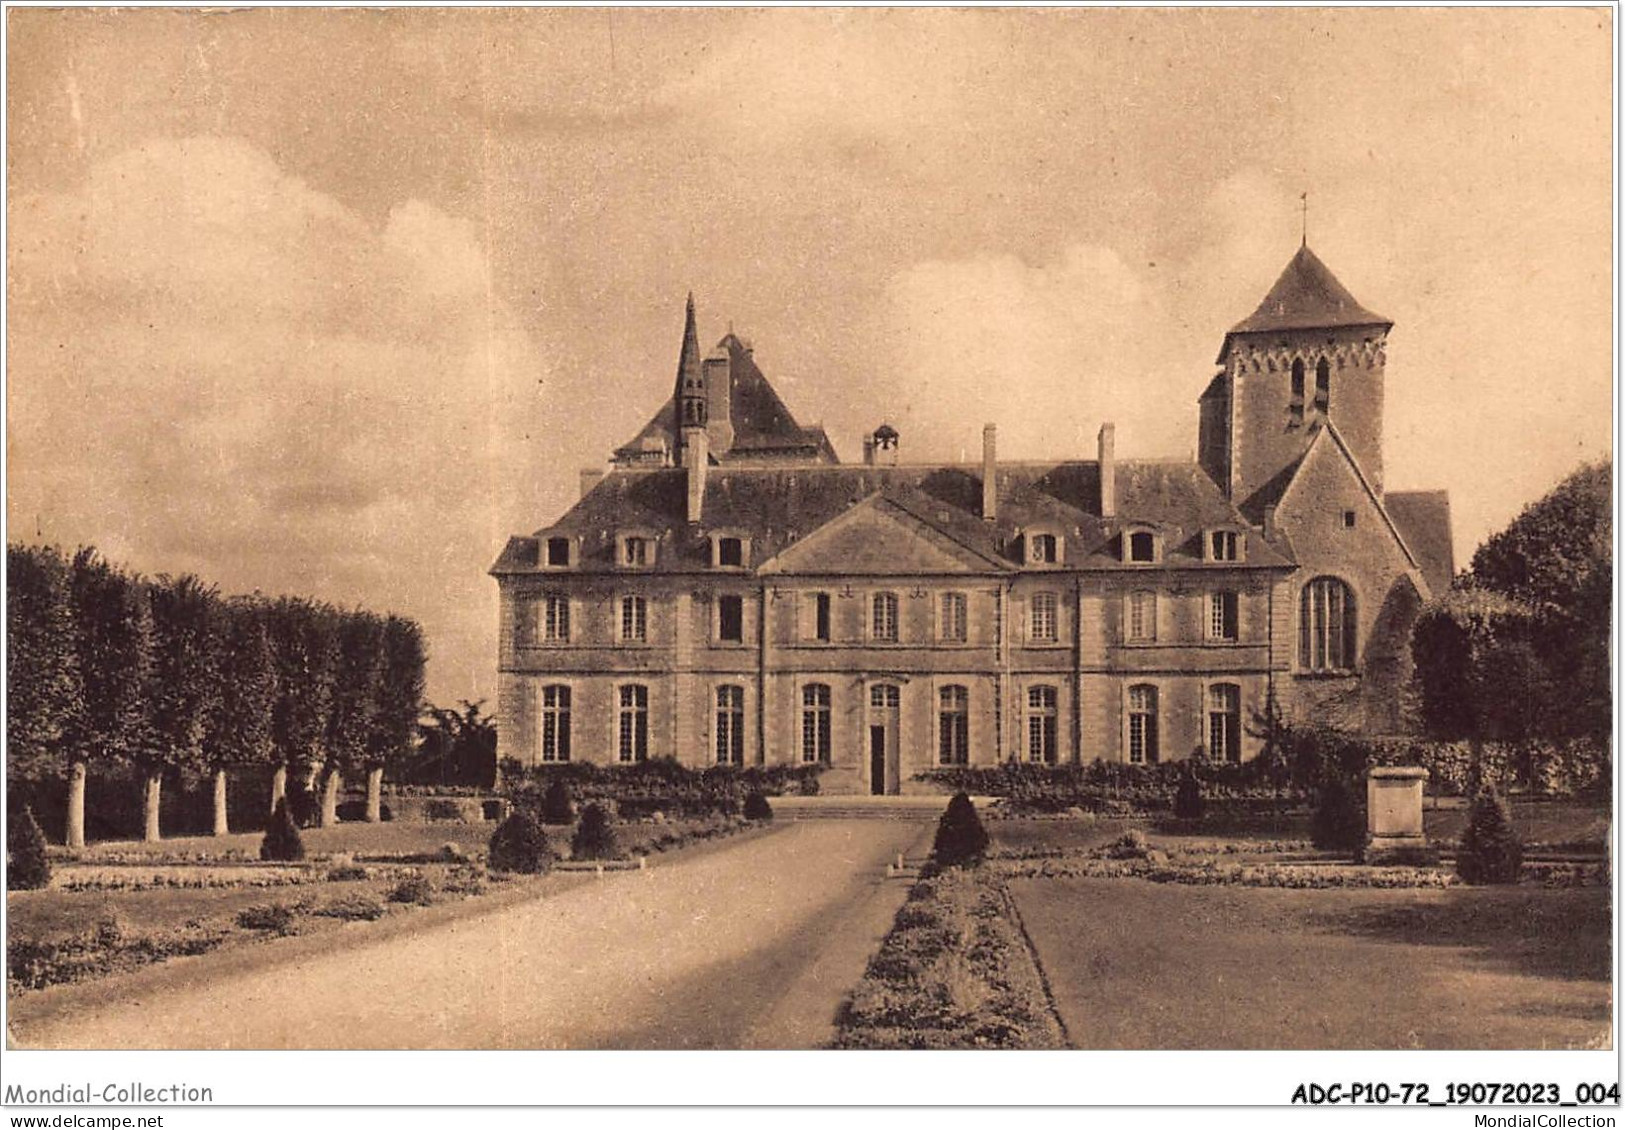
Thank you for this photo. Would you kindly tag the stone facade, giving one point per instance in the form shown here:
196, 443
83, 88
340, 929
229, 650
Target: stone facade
736, 595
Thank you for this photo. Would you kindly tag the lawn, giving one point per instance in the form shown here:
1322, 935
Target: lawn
1536, 821
111, 930
1133, 964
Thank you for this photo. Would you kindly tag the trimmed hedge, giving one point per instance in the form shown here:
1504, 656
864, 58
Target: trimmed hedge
757, 807
662, 785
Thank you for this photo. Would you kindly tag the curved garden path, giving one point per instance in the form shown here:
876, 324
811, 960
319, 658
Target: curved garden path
747, 944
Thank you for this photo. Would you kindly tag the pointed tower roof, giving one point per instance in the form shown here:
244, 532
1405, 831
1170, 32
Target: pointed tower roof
1308, 296
688, 360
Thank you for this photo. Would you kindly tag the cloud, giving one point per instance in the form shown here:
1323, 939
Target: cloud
216, 367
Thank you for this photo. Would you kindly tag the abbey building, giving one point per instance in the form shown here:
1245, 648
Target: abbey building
730, 592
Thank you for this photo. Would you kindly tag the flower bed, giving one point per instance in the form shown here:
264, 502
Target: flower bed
130, 877
1305, 876
954, 972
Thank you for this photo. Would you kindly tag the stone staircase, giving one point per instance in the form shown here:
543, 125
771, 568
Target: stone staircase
921, 808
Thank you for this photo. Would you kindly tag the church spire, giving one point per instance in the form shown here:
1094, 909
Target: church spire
691, 395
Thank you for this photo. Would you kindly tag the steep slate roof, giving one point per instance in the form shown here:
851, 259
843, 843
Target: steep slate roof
1306, 296
762, 425
1423, 516
779, 506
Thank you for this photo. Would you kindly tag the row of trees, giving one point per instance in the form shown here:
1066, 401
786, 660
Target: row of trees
165, 674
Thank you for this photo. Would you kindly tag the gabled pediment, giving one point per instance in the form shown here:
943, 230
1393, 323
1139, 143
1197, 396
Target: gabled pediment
1328, 461
879, 537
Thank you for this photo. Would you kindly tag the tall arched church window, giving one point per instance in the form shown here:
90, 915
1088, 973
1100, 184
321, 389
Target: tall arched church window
1296, 407
1326, 626
1323, 385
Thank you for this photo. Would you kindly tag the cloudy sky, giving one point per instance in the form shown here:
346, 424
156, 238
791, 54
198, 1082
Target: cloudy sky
332, 302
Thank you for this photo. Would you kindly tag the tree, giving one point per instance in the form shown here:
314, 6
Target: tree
44, 692
557, 805
113, 636
1477, 671
399, 704
238, 727
184, 680
304, 646
1556, 560
359, 640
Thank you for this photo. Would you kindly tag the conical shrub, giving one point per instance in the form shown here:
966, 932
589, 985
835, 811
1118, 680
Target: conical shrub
27, 868
1339, 820
961, 840
282, 842
520, 845
1188, 797
757, 807
595, 835
1490, 850
558, 807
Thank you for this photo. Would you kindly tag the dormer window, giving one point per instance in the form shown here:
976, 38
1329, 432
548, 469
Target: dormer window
636, 551
1140, 547
1223, 545
558, 553
729, 551
1043, 547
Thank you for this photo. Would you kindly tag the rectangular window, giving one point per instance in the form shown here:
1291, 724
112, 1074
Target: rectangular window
556, 619
884, 619
1222, 609
526, 615
953, 726
815, 745
1044, 627
634, 620
1041, 747
1142, 616
730, 725
730, 552
1043, 549
555, 723
821, 617
1142, 725
636, 552
951, 624
634, 724
558, 551
1222, 545
731, 619
1224, 723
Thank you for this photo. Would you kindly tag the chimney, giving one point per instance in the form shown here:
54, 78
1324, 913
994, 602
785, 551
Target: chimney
990, 468
869, 451
719, 400
590, 477
696, 454
885, 442
1108, 470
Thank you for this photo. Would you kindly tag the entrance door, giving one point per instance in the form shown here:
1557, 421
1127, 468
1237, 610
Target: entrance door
883, 702
877, 760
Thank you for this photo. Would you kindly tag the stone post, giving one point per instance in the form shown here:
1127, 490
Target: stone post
1394, 816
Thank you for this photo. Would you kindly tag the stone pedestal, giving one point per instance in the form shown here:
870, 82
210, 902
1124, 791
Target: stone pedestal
1394, 816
